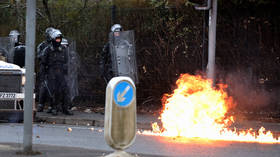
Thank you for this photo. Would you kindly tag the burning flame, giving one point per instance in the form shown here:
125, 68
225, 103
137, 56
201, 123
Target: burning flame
196, 109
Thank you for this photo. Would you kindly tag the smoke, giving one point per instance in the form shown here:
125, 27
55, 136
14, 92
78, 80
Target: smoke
248, 93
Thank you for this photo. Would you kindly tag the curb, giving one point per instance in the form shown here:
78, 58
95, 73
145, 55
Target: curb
70, 121
82, 121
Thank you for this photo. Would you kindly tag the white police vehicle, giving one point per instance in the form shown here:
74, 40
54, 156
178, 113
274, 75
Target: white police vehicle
12, 80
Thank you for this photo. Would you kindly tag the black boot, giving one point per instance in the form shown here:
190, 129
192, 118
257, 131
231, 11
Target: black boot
40, 108
67, 112
49, 110
65, 109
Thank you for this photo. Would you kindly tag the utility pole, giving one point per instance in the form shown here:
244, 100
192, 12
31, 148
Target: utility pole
29, 65
212, 7
212, 41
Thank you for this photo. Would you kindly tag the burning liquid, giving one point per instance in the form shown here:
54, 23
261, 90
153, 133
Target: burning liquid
196, 109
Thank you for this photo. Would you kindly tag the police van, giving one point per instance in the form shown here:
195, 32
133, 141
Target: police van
12, 80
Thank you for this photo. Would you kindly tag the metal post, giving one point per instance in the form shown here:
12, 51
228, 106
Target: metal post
29, 65
212, 41
113, 14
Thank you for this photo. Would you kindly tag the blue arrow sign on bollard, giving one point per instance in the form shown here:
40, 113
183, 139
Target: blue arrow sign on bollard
123, 94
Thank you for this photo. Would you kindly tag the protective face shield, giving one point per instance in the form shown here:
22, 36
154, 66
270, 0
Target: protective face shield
14, 35
116, 29
56, 37
48, 33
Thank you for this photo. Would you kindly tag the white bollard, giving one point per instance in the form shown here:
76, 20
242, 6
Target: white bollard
120, 113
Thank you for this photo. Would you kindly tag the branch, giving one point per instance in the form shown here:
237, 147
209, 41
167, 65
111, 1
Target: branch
45, 3
85, 3
40, 13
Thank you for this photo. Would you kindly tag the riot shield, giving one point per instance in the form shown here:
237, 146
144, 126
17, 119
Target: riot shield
123, 55
73, 65
7, 48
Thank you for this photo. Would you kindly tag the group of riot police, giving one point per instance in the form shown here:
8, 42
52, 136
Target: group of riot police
53, 54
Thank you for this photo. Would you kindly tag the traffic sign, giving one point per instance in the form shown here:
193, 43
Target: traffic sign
120, 113
123, 94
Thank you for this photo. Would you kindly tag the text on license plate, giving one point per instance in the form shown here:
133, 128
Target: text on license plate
7, 95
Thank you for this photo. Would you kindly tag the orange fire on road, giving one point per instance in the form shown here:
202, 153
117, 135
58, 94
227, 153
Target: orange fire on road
197, 110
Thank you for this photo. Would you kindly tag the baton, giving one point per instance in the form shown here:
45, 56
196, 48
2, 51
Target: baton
46, 85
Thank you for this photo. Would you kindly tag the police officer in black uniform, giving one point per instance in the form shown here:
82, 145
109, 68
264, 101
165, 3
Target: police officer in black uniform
105, 62
19, 51
46, 42
54, 60
43, 91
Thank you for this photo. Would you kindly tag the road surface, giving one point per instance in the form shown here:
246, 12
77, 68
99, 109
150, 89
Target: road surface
93, 138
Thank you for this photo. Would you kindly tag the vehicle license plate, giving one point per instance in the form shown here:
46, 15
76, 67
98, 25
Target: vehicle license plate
7, 95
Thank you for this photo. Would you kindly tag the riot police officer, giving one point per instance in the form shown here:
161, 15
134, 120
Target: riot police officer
18, 57
46, 42
15, 35
54, 59
118, 57
43, 91
105, 62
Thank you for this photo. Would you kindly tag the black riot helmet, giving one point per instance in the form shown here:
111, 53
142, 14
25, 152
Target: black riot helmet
14, 35
48, 33
56, 37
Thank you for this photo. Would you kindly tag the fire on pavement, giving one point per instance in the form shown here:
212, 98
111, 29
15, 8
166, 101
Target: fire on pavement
198, 110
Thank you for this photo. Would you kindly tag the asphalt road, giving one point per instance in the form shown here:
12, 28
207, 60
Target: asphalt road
93, 138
